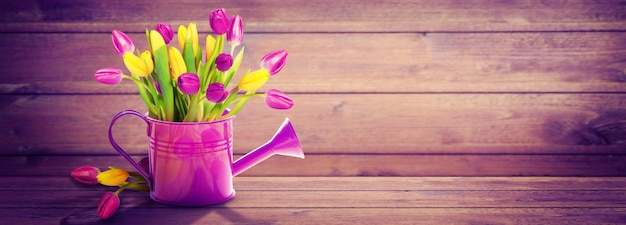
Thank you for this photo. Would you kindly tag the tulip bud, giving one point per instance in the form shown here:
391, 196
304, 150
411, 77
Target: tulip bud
109, 75
254, 80
216, 93
177, 63
112, 177
274, 61
135, 65
182, 36
86, 174
223, 62
166, 32
192, 35
277, 99
146, 56
122, 42
235, 34
219, 21
145, 164
109, 203
189, 83
156, 40
210, 45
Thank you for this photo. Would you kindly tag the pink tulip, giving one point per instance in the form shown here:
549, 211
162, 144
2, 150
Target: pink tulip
189, 83
219, 21
122, 42
109, 75
274, 61
216, 93
108, 205
223, 62
86, 174
277, 99
235, 34
166, 32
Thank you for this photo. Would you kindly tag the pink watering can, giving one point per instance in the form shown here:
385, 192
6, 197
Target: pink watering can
191, 163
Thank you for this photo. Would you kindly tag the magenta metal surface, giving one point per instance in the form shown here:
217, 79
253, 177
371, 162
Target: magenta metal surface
191, 164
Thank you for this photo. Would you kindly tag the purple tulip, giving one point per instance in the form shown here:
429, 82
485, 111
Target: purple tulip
274, 61
223, 62
216, 93
108, 205
235, 33
109, 75
122, 42
145, 164
219, 21
166, 32
277, 99
189, 83
86, 174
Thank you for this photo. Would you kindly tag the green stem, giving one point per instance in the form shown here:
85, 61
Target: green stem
127, 185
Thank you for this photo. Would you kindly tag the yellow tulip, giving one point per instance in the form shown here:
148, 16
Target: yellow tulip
147, 59
112, 177
177, 64
210, 45
182, 36
189, 33
156, 40
254, 80
192, 34
135, 65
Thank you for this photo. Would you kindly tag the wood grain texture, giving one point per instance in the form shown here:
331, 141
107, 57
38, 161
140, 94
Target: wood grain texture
364, 183
334, 200
344, 165
319, 16
343, 123
297, 215
355, 63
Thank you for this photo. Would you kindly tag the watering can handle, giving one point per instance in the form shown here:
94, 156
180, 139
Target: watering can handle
121, 151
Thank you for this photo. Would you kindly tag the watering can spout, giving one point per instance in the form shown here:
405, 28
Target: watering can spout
285, 142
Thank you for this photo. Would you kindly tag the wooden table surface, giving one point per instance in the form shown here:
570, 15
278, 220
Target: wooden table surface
335, 200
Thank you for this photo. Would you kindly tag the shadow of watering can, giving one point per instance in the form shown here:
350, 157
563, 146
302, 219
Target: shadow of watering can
191, 162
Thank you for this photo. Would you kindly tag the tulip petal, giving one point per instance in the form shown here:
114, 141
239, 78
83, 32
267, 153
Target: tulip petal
109, 75
112, 177
274, 61
189, 83
86, 174
109, 203
235, 33
223, 62
219, 21
135, 65
278, 100
166, 32
121, 42
254, 80
216, 93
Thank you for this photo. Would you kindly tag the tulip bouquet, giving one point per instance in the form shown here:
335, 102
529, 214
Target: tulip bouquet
182, 85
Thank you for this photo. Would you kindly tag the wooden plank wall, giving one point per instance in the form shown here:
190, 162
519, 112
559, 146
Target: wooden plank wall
398, 88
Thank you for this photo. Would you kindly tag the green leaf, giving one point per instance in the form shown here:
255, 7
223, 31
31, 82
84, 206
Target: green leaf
188, 56
161, 66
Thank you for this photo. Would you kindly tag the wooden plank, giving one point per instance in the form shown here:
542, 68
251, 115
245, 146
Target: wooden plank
342, 123
318, 16
354, 62
59, 183
341, 199
360, 165
298, 215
